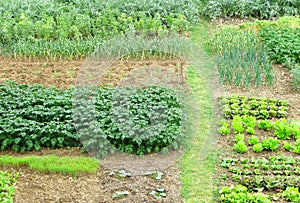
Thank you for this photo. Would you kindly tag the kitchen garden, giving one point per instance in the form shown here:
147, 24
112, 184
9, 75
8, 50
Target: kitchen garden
237, 138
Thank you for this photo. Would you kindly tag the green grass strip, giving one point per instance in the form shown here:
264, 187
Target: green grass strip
53, 163
197, 167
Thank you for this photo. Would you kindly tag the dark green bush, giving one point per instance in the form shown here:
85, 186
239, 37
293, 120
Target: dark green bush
283, 44
32, 117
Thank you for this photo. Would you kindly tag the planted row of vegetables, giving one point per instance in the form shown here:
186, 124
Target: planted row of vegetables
241, 193
252, 106
256, 176
73, 29
32, 117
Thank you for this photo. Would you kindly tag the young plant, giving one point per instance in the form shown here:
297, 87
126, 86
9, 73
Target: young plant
297, 147
265, 125
239, 138
282, 129
287, 146
240, 147
253, 140
291, 194
237, 124
257, 147
270, 143
250, 130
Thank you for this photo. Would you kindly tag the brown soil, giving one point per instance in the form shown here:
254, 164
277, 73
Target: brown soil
33, 186
63, 74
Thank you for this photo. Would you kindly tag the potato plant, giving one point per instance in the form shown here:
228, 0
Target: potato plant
32, 117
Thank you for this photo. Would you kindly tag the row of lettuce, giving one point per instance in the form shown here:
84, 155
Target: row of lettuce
258, 176
76, 28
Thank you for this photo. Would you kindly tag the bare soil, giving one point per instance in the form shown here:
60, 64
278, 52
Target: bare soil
34, 186
63, 74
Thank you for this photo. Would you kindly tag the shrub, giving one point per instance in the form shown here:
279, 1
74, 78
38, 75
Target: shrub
282, 44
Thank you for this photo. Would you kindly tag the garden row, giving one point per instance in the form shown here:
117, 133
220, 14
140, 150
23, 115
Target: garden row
32, 117
76, 28
7, 186
245, 53
72, 29
255, 178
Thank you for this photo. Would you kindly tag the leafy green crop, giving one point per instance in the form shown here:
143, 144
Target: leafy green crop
32, 117
75, 28
253, 140
292, 194
270, 143
283, 44
240, 193
7, 186
240, 147
235, 105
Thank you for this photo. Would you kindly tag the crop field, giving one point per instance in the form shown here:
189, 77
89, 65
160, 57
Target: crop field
150, 101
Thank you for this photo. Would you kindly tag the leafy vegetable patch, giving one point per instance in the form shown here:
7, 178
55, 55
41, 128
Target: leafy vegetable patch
7, 186
32, 117
252, 106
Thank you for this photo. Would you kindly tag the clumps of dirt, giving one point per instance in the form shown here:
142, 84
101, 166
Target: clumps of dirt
64, 74
34, 186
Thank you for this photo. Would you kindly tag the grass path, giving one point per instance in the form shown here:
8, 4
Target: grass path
197, 166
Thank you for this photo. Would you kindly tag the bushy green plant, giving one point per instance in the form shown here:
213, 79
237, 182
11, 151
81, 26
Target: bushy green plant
265, 125
288, 146
253, 140
270, 143
282, 129
239, 138
224, 127
240, 147
291, 194
33, 117
282, 44
297, 147
237, 124
257, 147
